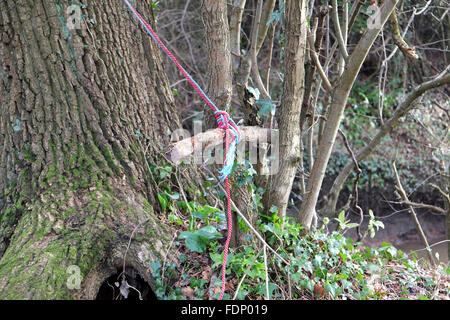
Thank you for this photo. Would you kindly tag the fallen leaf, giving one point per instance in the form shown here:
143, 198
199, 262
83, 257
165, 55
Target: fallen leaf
206, 273
231, 284
319, 290
187, 292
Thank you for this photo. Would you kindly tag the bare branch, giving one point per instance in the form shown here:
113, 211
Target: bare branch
269, 5
421, 205
237, 9
339, 99
445, 195
408, 51
405, 106
337, 26
315, 58
254, 53
404, 197
355, 183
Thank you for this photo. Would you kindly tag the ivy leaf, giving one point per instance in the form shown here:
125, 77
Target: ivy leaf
351, 225
373, 268
341, 216
208, 210
262, 289
274, 16
198, 215
332, 288
209, 232
174, 196
318, 260
193, 241
273, 209
392, 251
155, 267
308, 284
196, 241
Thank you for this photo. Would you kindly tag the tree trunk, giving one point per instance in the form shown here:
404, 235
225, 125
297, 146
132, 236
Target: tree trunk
339, 98
220, 84
78, 107
220, 87
289, 113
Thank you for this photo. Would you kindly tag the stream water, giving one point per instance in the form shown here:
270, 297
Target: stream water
441, 248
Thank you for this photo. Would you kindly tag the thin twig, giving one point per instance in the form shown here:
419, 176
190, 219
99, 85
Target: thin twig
404, 197
188, 42
267, 273
165, 257
421, 205
315, 58
129, 244
183, 195
245, 274
355, 184
254, 53
337, 27
140, 295
434, 244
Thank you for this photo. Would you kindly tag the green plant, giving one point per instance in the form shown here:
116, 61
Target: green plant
197, 240
344, 224
373, 224
162, 275
320, 263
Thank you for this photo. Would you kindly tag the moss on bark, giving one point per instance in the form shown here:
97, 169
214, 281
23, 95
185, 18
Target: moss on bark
77, 222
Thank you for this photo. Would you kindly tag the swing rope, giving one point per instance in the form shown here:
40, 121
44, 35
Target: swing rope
224, 121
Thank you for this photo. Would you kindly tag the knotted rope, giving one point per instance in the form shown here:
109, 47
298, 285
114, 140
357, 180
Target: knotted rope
224, 121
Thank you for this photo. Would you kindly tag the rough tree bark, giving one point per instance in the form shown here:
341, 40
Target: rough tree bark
288, 116
220, 87
217, 35
76, 110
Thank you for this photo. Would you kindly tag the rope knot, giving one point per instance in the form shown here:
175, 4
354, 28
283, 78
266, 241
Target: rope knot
232, 138
222, 119
225, 122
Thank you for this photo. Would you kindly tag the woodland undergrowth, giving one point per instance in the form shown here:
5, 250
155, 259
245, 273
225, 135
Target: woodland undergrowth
323, 264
